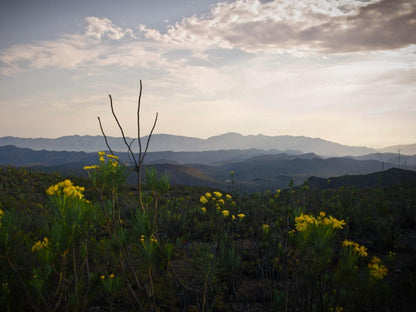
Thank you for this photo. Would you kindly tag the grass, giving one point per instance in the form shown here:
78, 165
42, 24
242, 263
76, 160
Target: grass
192, 249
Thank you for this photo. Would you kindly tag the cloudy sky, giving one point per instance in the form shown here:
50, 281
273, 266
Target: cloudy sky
341, 70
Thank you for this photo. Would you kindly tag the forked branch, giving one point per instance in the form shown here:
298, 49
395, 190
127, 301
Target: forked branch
137, 163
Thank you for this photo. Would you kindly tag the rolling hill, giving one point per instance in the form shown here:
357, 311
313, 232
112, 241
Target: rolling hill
386, 178
254, 170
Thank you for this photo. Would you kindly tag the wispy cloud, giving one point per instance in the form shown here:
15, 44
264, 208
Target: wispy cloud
97, 46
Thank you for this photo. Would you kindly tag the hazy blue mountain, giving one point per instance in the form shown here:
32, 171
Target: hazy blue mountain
402, 161
406, 149
165, 142
254, 170
12, 155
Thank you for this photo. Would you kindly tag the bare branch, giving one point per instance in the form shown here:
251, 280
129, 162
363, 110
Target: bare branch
105, 137
138, 118
148, 139
121, 130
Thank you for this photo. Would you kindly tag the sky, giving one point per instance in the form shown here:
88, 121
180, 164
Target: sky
340, 70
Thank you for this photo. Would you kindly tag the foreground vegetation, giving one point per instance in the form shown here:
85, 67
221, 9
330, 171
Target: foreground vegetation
72, 244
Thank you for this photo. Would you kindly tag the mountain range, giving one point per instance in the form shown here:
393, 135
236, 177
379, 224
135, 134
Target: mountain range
228, 141
254, 169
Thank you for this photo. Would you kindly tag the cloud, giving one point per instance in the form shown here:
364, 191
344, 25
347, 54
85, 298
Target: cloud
253, 26
100, 28
68, 52
82, 51
293, 26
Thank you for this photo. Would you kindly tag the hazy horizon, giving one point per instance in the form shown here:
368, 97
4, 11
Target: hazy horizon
205, 138
340, 70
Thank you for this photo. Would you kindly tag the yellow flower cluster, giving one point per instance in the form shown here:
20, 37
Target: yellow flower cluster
111, 276
303, 221
357, 248
152, 239
112, 160
225, 213
203, 199
39, 245
218, 194
377, 270
219, 201
67, 188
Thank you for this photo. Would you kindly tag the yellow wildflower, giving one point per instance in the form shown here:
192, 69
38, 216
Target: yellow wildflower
377, 270
322, 214
101, 153
102, 159
112, 156
39, 245
102, 277
361, 250
221, 202
301, 218
233, 217
347, 243
203, 199
225, 213
208, 195
111, 276
326, 221
265, 226
301, 226
375, 260
203, 209
218, 194
228, 196
66, 187
337, 224
241, 215
310, 219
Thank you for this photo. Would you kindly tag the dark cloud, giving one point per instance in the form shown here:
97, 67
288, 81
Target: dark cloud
384, 25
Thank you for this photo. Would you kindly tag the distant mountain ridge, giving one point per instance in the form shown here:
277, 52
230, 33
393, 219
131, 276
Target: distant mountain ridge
167, 142
255, 170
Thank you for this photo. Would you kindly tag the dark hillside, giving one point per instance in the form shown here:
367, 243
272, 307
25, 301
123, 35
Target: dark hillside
390, 177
